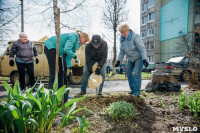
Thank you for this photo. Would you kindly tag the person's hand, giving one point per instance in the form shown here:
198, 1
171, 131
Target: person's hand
146, 64
75, 57
36, 60
97, 71
12, 63
117, 64
77, 60
90, 72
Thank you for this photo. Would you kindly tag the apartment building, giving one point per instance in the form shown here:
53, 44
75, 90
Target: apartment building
150, 16
163, 23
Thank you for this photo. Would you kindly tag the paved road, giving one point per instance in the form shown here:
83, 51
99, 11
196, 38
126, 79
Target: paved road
109, 86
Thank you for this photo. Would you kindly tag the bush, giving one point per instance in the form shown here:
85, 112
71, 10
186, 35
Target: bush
121, 110
35, 112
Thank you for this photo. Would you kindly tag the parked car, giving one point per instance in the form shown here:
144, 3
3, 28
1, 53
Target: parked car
180, 67
41, 69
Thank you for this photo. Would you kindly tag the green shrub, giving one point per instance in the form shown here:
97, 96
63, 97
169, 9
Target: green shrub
121, 110
181, 101
35, 112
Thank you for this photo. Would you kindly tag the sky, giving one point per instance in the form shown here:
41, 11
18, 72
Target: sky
37, 31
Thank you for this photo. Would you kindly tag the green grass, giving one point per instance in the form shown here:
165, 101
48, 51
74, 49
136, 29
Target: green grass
145, 75
4, 78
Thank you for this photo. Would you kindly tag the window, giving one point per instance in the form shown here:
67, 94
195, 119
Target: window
150, 45
144, 34
151, 3
39, 48
144, 7
151, 16
151, 58
144, 20
151, 31
197, 19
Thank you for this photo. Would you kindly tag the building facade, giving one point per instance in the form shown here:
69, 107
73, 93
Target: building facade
163, 25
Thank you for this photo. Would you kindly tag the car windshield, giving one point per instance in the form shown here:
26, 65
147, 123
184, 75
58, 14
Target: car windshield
176, 59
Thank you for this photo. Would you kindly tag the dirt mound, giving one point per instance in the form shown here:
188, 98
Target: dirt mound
152, 117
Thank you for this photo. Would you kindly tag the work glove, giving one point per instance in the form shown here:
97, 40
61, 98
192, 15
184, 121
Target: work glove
97, 71
12, 63
77, 60
146, 64
36, 60
117, 64
90, 72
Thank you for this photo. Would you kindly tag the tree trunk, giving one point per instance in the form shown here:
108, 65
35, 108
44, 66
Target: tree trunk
55, 7
115, 30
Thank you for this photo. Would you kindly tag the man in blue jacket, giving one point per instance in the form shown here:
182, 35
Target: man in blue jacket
133, 47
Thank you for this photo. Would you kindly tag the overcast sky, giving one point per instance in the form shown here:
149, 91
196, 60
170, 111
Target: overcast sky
37, 31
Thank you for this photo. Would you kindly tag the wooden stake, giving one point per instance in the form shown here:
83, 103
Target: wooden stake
58, 35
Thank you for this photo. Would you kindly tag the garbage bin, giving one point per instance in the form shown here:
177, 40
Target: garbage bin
108, 69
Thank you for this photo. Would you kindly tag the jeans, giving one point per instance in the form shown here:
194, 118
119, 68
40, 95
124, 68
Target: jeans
30, 70
134, 80
86, 76
51, 58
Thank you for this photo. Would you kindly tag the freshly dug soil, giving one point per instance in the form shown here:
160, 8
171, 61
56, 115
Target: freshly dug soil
152, 116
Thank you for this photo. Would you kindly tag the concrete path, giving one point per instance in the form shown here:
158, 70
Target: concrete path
109, 86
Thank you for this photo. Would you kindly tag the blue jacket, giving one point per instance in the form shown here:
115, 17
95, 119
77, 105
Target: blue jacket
68, 43
132, 46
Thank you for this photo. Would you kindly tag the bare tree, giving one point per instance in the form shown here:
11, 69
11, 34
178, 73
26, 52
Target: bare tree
8, 18
186, 43
114, 13
67, 9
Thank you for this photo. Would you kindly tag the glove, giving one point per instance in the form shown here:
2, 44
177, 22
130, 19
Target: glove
77, 60
97, 71
37, 61
75, 57
90, 72
146, 64
117, 64
12, 63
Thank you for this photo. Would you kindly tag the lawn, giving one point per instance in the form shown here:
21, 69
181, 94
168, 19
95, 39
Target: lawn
145, 75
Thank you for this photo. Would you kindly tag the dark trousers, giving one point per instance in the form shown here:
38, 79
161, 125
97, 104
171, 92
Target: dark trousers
30, 70
51, 57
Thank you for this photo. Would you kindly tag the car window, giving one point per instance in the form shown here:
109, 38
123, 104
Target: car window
176, 59
39, 48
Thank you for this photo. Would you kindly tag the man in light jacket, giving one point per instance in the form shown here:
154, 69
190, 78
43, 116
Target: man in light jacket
133, 47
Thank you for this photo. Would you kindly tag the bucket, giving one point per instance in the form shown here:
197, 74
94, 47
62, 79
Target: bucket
77, 70
94, 81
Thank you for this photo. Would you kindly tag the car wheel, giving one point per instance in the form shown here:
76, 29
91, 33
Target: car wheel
186, 76
15, 76
76, 80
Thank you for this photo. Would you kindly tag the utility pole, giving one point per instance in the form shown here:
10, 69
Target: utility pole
22, 16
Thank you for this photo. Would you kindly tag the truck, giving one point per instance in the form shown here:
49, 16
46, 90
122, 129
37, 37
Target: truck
41, 69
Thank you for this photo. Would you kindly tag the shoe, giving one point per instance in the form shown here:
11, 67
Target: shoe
135, 96
82, 93
130, 93
100, 93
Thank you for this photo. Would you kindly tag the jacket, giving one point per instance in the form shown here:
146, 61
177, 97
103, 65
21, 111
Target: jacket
24, 51
132, 46
68, 43
99, 55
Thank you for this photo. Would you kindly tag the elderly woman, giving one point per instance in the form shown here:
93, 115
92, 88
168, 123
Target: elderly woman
24, 51
68, 44
133, 47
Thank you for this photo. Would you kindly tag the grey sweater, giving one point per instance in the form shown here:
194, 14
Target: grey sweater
23, 51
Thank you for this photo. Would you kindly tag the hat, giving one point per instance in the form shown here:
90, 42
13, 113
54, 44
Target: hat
96, 40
